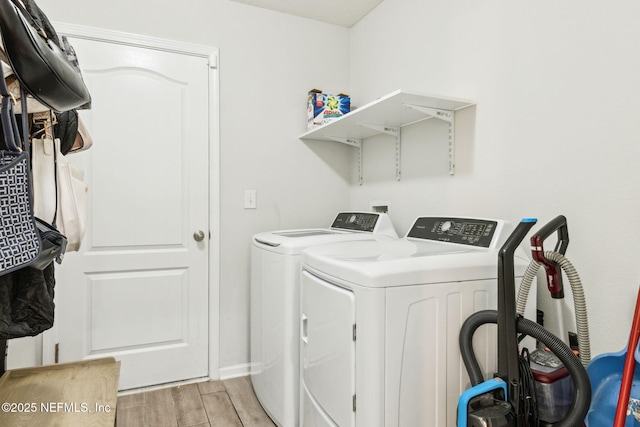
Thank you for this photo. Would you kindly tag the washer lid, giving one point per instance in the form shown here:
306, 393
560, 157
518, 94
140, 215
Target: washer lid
346, 226
294, 241
404, 262
304, 233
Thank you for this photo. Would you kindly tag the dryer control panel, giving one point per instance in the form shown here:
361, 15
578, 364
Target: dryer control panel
356, 221
464, 231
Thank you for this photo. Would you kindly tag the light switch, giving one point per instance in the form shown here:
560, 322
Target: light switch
250, 199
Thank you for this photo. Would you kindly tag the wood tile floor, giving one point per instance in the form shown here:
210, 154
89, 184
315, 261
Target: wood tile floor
207, 404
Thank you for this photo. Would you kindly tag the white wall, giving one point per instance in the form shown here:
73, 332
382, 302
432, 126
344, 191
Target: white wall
555, 129
268, 62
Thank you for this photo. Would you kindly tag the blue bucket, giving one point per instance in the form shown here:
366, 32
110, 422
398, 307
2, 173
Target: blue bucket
605, 372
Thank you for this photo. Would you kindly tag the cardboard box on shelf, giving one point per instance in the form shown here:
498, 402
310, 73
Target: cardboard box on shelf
324, 107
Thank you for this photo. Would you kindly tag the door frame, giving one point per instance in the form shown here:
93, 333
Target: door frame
50, 338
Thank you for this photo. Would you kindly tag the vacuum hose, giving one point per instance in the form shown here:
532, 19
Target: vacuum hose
580, 306
581, 384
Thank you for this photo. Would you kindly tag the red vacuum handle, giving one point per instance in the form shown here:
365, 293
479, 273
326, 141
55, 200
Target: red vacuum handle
629, 366
554, 280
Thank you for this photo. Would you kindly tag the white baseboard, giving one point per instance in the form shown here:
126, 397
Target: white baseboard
234, 371
226, 373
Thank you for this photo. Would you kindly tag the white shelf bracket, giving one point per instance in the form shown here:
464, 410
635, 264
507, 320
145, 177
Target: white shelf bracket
360, 164
398, 145
446, 115
354, 142
389, 130
452, 146
349, 141
393, 131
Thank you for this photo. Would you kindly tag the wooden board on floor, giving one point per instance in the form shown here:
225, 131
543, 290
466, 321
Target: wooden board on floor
228, 403
220, 410
70, 394
246, 403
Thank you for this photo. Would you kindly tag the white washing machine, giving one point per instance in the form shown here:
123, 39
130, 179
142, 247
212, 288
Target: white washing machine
380, 322
275, 304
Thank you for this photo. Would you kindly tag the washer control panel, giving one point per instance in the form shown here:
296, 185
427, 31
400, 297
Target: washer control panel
356, 221
463, 231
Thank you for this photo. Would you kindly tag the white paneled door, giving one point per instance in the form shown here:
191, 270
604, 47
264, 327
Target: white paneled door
138, 288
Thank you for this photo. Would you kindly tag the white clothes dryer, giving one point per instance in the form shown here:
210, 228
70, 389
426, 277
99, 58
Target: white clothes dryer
275, 305
380, 322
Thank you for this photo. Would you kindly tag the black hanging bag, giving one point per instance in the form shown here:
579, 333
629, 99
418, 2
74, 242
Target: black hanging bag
39, 59
26, 302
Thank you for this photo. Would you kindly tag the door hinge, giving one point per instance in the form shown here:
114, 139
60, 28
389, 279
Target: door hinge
354, 331
56, 356
354, 403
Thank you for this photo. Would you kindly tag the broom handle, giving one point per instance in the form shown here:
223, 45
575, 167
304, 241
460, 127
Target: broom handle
629, 366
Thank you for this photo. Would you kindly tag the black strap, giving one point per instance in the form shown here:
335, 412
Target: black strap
25, 120
8, 118
38, 20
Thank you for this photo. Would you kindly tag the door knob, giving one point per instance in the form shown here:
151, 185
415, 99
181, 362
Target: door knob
198, 236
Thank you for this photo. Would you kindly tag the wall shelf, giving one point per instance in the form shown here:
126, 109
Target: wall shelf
388, 115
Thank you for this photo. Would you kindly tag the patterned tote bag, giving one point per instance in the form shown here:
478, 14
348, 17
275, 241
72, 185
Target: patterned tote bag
19, 239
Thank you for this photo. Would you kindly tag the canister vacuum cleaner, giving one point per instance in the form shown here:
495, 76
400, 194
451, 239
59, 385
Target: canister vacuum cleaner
509, 399
552, 380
